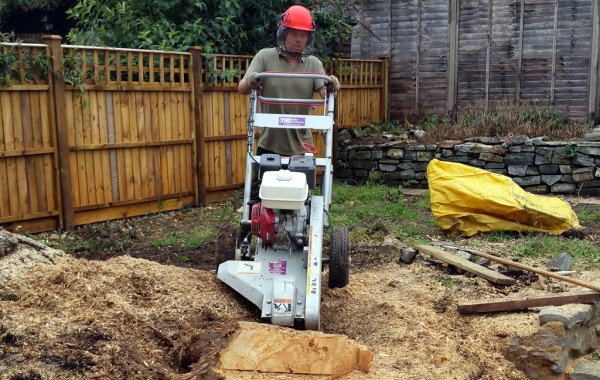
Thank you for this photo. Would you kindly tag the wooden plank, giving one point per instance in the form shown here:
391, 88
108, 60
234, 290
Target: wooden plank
464, 264
103, 138
111, 117
127, 156
37, 184
27, 128
156, 157
5, 121
470, 307
142, 138
22, 194
197, 102
135, 178
149, 153
170, 167
127, 211
163, 174
39, 224
81, 177
93, 160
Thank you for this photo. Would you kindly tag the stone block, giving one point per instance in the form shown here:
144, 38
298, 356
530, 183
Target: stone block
424, 156
490, 157
343, 136
517, 170
395, 153
359, 155
569, 315
376, 154
589, 150
583, 174
560, 159
551, 179
585, 370
519, 158
477, 163
387, 168
494, 165
406, 165
540, 189
582, 160
548, 169
528, 181
533, 170
563, 188
565, 169
362, 164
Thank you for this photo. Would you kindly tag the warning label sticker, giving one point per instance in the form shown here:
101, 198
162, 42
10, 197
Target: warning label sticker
278, 267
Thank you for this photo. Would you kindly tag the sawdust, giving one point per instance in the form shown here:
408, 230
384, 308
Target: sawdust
129, 318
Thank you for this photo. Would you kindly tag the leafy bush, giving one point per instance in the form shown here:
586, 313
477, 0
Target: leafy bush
225, 27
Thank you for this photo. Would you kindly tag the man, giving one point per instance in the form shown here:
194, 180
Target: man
295, 32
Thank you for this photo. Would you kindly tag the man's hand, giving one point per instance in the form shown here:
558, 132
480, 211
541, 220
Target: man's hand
333, 85
253, 81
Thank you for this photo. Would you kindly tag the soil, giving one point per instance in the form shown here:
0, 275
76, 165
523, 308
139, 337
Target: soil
119, 305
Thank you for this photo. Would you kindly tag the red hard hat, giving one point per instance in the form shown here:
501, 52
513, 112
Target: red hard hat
297, 17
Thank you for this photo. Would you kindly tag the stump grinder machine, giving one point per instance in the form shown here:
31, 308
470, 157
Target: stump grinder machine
277, 261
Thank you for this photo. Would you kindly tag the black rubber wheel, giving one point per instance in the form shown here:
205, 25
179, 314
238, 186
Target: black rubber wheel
339, 258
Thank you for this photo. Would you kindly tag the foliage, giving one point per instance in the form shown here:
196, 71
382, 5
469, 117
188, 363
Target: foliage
508, 118
225, 27
35, 66
11, 6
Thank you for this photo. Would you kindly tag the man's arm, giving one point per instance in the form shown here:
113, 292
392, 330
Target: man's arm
244, 86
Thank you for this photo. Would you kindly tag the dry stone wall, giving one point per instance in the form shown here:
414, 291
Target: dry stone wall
536, 164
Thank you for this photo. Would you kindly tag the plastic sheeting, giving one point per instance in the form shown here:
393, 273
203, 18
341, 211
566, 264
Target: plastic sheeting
467, 200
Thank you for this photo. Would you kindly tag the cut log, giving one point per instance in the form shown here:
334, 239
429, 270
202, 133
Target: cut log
469, 307
488, 274
267, 348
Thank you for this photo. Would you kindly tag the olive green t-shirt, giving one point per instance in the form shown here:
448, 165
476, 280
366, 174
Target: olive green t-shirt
285, 141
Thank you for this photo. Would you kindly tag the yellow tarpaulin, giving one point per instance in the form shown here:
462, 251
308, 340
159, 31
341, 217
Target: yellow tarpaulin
467, 200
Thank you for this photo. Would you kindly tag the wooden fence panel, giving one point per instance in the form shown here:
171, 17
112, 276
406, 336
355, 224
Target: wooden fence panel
29, 194
114, 133
542, 51
131, 132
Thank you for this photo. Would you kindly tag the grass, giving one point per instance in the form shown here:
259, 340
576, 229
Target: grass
373, 211
584, 253
590, 215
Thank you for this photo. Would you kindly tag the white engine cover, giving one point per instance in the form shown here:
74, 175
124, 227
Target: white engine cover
283, 190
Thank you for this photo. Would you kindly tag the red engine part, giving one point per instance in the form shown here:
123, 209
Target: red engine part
263, 223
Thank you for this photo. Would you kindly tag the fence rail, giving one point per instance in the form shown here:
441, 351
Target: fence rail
89, 134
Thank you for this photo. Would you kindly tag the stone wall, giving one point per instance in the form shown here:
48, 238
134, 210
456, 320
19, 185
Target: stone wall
536, 164
560, 348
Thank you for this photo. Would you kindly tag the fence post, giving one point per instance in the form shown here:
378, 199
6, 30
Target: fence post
452, 60
594, 89
60, 128
197, 101
385, 94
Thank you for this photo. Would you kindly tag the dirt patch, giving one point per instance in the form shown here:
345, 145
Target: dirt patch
120, 306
